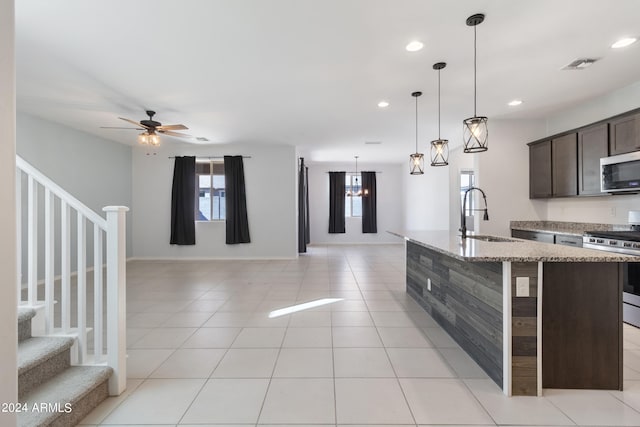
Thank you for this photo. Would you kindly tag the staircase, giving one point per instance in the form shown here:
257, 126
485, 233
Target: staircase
71, 320
52, 392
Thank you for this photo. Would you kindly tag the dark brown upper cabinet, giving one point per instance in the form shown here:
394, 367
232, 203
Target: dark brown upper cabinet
569, 164
593, 144
564, 165
540, 170
624, 134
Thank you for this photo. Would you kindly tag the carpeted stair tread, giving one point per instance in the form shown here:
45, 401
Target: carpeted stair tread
25, 313
73, 386
36, 350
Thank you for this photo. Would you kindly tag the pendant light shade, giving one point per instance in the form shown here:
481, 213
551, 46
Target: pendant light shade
439, 147
474, 129
416, 160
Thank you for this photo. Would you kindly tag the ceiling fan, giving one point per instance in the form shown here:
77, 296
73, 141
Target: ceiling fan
151, 129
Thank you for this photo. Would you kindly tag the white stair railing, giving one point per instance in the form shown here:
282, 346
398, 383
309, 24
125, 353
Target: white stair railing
62, 314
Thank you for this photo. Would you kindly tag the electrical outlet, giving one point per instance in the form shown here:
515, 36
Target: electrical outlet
522, 286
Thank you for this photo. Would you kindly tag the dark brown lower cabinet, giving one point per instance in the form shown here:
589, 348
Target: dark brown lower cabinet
582, 326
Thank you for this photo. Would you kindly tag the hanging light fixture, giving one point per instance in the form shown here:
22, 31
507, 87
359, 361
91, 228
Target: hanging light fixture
356, 190
475, 132
439, 147
416, 160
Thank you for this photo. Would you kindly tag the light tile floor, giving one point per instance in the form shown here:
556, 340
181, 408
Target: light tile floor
204, 352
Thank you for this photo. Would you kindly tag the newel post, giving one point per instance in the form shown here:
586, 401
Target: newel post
116, 297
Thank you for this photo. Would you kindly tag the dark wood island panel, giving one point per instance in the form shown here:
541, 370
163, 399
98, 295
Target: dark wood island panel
582, 326
465, 299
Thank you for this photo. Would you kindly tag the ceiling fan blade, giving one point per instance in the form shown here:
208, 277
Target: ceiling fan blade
133, 122
116, 127
177, 134
172, 127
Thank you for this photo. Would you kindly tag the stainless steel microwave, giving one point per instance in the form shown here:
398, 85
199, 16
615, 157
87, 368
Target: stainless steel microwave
620, 173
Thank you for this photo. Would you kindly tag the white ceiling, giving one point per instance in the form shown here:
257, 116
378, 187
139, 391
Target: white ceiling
311, 72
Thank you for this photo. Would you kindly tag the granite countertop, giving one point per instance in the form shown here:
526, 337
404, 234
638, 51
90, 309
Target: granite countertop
473, 250
562, 227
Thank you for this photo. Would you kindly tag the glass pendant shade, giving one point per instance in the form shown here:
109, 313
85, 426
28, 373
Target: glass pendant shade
416, 160
440, 152
439, 147
416, 164
475, 134
143, 138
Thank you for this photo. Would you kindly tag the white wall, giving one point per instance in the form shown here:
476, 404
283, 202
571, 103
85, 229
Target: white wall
426, 197
8, 297
94, 170
270, 179
389, 204
503, 174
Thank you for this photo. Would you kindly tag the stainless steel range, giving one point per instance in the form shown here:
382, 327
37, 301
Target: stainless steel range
624, 242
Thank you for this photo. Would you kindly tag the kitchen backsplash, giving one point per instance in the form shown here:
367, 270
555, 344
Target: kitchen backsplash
566, 227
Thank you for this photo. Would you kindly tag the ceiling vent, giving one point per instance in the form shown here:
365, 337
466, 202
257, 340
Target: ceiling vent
373, 142
202, 138
580, 64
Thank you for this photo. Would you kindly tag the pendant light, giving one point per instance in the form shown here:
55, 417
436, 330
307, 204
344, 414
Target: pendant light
356, 190
475, 132
416, 160
439, 147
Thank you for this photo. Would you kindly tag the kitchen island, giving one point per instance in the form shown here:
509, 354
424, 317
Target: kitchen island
532, 315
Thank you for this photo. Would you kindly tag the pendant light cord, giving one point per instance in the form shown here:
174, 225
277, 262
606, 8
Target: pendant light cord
475, 70
416, 124
438, 104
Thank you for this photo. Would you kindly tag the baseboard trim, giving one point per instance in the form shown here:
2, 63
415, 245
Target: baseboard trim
355, 244
171, 259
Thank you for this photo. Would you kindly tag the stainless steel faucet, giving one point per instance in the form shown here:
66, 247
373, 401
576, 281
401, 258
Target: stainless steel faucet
463, 218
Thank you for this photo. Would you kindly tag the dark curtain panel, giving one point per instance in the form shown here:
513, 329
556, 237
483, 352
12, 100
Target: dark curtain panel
336, 202
307, 232
369, 213
236, 201
303, 207
183, 203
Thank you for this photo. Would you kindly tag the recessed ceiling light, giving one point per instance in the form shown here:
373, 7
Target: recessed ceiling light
414, 46
515, 102
383, 104
624, 42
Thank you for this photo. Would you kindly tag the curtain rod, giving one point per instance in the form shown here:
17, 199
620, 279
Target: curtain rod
210, 157
353, 172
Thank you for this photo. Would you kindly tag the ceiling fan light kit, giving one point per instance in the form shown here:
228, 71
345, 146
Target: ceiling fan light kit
152, 128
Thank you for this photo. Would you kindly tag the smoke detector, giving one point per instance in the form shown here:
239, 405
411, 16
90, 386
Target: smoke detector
580, 64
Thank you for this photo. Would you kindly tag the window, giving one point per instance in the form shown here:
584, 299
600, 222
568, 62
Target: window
210, 200
353, 197
467, 180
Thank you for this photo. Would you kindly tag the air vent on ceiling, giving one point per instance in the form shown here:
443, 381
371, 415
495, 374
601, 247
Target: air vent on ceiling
580, 64
373, 142
202, 138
